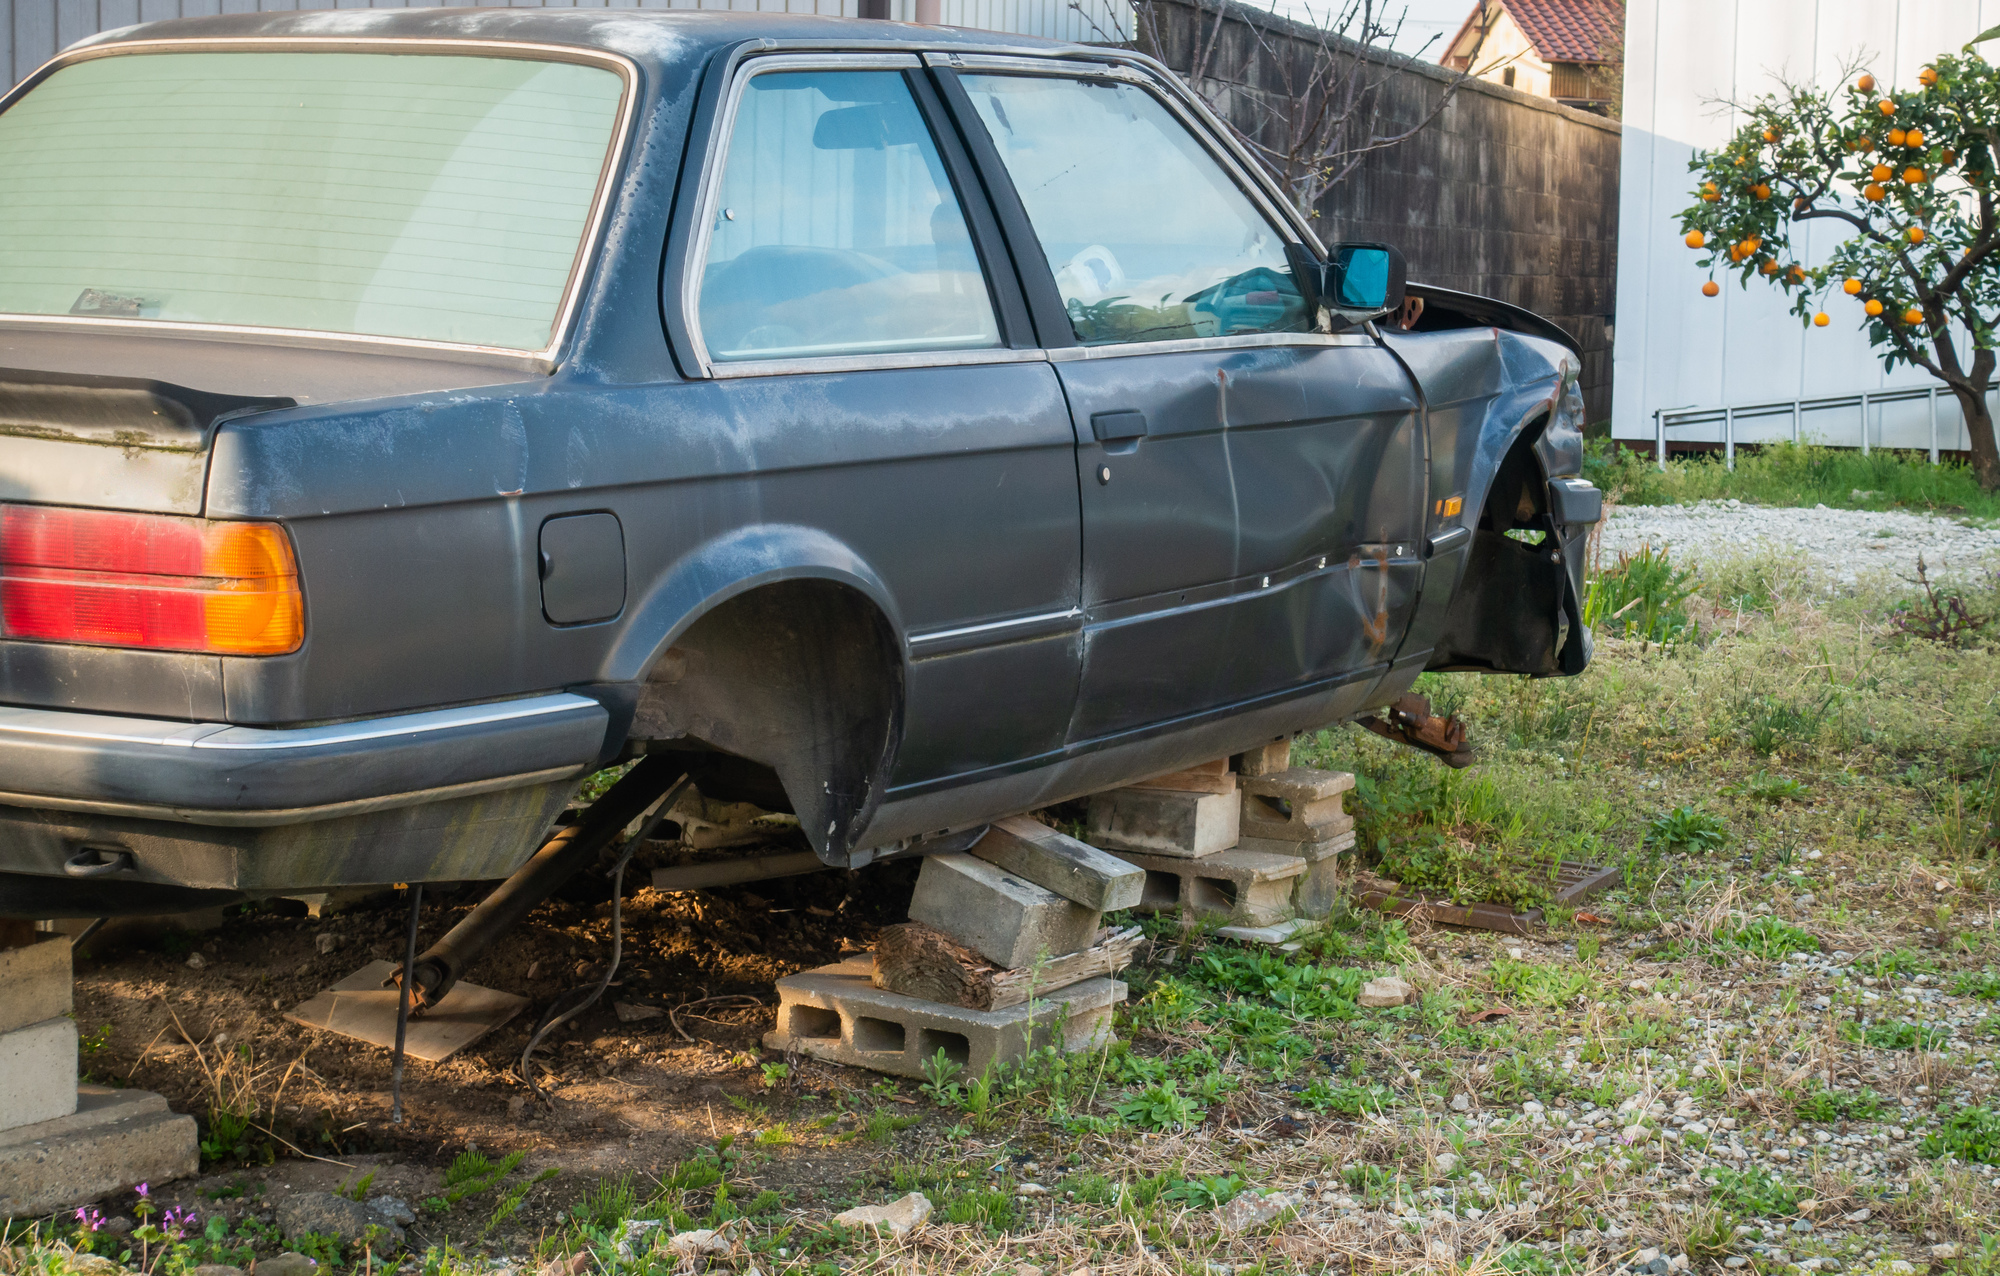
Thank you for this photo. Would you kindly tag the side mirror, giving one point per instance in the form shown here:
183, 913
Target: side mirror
1363, 281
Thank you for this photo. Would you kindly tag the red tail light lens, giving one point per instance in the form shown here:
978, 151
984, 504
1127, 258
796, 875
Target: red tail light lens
148, 580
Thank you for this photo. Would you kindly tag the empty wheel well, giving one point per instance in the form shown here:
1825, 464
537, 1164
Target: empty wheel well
803, 677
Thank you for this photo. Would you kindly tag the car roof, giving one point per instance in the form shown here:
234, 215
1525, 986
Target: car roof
659, 40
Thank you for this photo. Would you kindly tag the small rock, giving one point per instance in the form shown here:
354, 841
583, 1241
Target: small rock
571, 1266
1644, 1258
392, 1209
1031, 1189
699, 1243
1389, 990
1678, 1263
630, 1012
350, 1222
1860, 1216
93, 1265
196, 961
517, 1105
1027, 1269
1944, 1251
1802, 1225
118, 1225
900, 1217
326, 942
1901, 1267
1735, 1261
215, 1269
1461, 1103
287, 1264
1252, 1209
1533, 1108
1447, 1162
1636, 1134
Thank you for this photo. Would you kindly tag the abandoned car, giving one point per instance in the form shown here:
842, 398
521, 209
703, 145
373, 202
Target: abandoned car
405, 414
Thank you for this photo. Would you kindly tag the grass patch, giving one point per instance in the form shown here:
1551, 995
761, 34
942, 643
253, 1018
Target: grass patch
1770, 939
1969, 1133
1781, 474
1755, 1192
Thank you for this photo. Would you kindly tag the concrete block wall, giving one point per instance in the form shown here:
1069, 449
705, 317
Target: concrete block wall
37, 1037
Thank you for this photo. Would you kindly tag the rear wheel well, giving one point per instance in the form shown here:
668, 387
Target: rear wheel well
791, 692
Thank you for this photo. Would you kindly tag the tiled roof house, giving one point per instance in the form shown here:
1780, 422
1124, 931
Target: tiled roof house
1570, 50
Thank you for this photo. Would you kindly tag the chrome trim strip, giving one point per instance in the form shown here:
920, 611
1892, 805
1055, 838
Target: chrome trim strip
93, 728
709, 190
1242, 341
542, 360
216, 818
867, 362
992, 633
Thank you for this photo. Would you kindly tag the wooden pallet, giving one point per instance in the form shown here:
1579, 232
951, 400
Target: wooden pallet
1574, 884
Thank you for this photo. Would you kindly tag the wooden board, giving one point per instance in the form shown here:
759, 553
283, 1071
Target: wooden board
1574, 882
1209, 777
921, 961
360, 1007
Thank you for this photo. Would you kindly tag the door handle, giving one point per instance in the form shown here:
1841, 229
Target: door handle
1112, 426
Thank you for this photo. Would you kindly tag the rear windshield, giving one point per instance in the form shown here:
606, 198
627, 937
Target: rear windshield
437, 197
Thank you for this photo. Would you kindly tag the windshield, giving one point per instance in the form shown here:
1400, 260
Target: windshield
437, 197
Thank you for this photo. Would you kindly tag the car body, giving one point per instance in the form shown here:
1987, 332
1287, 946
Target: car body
855, 465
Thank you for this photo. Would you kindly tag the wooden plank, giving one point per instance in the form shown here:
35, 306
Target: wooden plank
1574, 882
920, 961
755, 868
360, 1007
1209, 777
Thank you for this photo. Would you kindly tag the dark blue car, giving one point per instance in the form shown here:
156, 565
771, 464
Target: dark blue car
406, 413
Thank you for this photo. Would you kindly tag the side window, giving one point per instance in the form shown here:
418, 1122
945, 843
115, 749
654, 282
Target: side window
837, 231
1149, 238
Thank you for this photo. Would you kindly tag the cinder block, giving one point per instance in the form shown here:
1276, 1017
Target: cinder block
35, 985
1297, 805
1054, 861
1008, 920
836, 1014
37, 1073
1247, 888
1267, 759
1164, 822
114, 1140
1316, 890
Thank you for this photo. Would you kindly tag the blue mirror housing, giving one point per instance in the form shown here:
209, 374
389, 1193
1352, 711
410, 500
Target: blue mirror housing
1364, 280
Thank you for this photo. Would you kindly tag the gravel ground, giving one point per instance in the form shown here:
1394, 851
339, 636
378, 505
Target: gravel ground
1845, 545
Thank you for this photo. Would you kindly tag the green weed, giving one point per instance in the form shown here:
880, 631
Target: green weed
1984, 984
1805, 475
1207, 1192
1687, 828
1537, 985
1827, 1106
1643, 597
1969, 1133
1765, 787
1755, 1192
1770, 939
1160, 1106
1347, 1099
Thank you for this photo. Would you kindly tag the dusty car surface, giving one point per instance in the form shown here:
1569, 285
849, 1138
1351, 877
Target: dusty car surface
406, 413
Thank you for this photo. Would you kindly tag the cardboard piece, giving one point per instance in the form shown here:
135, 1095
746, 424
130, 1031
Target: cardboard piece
359, 1006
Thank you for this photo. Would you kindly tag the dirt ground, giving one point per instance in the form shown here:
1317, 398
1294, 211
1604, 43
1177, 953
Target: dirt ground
199, 1016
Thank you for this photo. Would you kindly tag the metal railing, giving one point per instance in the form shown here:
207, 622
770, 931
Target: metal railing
1797, 408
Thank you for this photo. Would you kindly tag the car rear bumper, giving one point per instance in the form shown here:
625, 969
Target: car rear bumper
103, 815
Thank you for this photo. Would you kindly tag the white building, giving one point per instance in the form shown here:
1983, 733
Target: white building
1675, 349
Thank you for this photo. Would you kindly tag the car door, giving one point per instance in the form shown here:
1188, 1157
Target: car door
865, 363
1251, 483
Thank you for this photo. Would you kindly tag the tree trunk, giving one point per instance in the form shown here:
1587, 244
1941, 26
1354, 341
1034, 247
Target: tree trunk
1979, 421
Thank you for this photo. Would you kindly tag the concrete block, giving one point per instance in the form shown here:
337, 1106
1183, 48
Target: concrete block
1265, 759
1297, 805
34, 984
1164, 822
836, 1014
1054, 861
37, 1073
1008, 920
1316, 890
114, 1140
1285, 936
1245, 888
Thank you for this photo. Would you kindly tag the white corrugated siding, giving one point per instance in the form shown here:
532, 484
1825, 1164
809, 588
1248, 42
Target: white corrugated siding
31, 31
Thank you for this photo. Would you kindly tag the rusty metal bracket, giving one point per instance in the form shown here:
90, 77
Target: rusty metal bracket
1410, 721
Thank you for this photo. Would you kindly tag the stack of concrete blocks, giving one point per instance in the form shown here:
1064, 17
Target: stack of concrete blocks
1296, 812
1023, 895
62, 1144
1253, 847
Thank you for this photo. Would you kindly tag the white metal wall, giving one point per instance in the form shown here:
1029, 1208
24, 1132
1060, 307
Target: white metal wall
31, 31
1674, 348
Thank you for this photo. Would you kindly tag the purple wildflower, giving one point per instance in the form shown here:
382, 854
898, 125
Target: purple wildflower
141, 1190
88, 1217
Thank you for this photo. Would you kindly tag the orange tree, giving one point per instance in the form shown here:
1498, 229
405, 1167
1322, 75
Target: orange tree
1909, 175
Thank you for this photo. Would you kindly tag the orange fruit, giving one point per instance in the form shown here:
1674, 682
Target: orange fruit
1927, 77
1852, 287
1710, 289
1913, 175
1696, 239
1886, 107
1768, 268
1798, 274
1741, 160
1866, 83
1709, 192
1761, 190
1872, 192
1913, 315
1881, 172
1915, 137
1821, 320
1873, 307
1751, 245
1896, 136
1916, 234
1770, 134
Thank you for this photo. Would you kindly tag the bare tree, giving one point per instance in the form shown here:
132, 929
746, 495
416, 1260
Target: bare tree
1318, 104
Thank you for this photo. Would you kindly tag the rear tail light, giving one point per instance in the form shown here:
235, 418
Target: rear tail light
148, 580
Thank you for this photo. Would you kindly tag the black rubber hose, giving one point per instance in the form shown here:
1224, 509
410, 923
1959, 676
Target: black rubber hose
571, 849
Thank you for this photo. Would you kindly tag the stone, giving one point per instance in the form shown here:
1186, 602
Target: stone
1164, 822
34, 986
37, 1073
94, 1265
1735, 1261
215, 1269
392, 1209
638, 1237
632, 1012
1945, 1252
1054, 861
1253, 1209
1265, 759
196, 961
350, 1222
699, 1243
1296, 805
1902, 1267
1243, 888
1389, 990
1446, 1162
899, 1217
1008, 920
325, 942
287, 1264
1287, 936
1461, 1103
114, 1139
